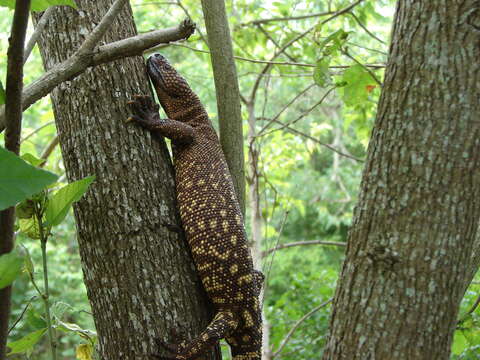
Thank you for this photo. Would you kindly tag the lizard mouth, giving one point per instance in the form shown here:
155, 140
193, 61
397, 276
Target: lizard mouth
154, 73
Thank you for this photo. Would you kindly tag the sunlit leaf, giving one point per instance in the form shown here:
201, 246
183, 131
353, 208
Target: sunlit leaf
59, 204
84, 352
29, 227
39, 5
21, 181
358, 85
26, 343
10, 267
31, 159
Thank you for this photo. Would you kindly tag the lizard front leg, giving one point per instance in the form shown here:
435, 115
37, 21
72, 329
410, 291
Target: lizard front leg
145, 113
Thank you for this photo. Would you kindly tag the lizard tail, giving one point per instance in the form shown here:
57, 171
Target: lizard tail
224, 322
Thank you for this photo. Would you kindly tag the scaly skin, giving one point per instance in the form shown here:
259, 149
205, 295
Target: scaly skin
210, 215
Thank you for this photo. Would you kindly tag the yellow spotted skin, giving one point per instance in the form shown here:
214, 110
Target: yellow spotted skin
210, 215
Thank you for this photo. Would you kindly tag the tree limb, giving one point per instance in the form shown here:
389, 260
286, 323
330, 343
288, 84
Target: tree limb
78, 63
36, 34
13, 110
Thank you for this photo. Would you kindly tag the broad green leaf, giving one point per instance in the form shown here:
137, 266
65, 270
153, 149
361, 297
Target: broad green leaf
59, 204
31, 159
34, 319
29, 227
10, 267
26, 343
321, 74
2, 94
333, 42
359, 83
459, 343
39, 5
84, 352
20, 180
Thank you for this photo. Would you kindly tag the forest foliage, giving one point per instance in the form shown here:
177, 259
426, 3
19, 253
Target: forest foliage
314, 105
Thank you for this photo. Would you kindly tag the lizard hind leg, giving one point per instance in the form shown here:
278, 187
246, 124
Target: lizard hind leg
224, 322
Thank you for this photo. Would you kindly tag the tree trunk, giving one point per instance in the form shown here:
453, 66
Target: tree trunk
409, 250
140, 279
228, 93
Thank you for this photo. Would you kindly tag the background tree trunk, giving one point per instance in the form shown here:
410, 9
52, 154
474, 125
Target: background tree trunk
140, 279
228, 93
409, 250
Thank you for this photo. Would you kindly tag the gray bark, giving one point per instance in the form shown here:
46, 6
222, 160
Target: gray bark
409, 251
140, 279
228, 93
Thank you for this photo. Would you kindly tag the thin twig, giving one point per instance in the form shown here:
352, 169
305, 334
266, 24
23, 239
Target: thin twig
470, 311
302, 243
36, 131
21, 315
328, 146
297, 324
305, 113
97, 33
377, 80
289, 18
365, 28
267, 272
49, 149
38, 30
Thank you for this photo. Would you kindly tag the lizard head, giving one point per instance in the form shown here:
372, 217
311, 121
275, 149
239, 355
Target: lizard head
173, 91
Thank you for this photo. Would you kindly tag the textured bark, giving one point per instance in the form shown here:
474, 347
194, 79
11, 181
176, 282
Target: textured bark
410, 246
140, 279
228, 93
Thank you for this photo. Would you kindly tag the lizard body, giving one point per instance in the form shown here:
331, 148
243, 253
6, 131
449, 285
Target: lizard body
210, 214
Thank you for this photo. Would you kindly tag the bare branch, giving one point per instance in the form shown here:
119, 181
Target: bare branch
328, 146
36, 34
288, 18
96, 35
297, 324
302, 115
75, 65
49, 149
13, 107
37, 130
365, 28
470, 311
302, 243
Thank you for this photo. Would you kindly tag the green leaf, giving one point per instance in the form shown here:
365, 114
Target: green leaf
359, 84
39, 5
2, 94
21, 181
10, 267
59, 204
459, 343
321, 74
26, 343
333, 42
31, 159
34, 319
29, 227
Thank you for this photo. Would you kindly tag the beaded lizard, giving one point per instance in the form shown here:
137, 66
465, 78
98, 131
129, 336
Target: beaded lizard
210, 214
